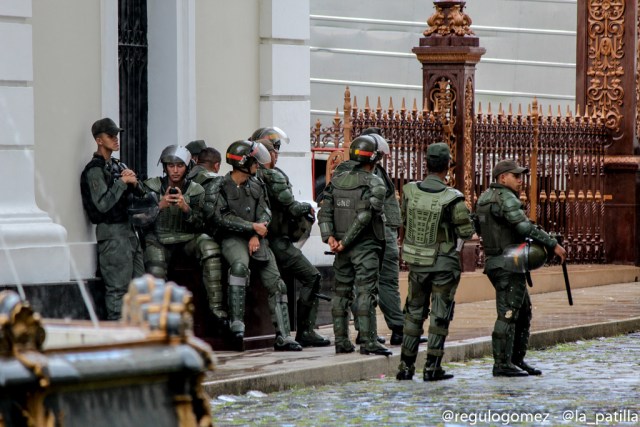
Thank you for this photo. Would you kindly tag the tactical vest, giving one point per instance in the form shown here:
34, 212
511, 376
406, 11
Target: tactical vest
427, 234
211, 183
348, 190
276, 182
496, 232
118, 213
391, 205
171, 225
243, 200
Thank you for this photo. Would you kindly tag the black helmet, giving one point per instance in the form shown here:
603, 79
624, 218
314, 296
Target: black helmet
523, 257
273, 134
365, 149
144, 210
241, 154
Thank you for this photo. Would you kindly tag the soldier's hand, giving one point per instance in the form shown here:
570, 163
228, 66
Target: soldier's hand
339, 248
254, 244
560, 252
333, 243
260, 228
128, 177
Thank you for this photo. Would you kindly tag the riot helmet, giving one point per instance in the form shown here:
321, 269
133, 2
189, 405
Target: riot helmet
241, 155
524, 257
276, 135
364, 149
175, 154
144, 210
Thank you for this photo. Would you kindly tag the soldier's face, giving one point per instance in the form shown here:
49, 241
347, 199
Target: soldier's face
512, 180
110, 142
176, 172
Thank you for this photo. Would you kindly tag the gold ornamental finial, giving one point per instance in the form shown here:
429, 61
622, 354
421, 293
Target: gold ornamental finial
449, 19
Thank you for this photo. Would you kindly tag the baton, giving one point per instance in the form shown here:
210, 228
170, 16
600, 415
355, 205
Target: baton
329, 253
527, 276
566, 282
322, 296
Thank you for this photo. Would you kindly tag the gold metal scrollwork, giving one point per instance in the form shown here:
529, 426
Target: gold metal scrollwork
449, 21
443, 97
605, 30
469, 197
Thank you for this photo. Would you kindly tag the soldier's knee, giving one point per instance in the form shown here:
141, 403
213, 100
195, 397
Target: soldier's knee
156, 269
238, 269
209, 248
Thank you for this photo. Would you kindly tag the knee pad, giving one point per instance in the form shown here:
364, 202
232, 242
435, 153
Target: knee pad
157, 269
239, 270
209, 248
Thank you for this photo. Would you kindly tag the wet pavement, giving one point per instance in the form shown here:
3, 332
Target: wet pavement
597, 311
594, 382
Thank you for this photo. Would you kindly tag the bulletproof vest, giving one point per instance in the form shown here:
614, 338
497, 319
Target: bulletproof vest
171, 225
495, 230
276, 183
243, 200
111, 171
427, 232
211, 184
348, 189
391, 205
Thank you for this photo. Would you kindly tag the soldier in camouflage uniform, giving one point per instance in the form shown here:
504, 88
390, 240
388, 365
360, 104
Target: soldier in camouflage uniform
105, 185
180, 223
195, 148
351, 221
388, 285
205, 174
502, 222
283, 232
243, 215
435, 218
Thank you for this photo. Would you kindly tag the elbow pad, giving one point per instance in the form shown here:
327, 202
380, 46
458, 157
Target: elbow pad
362, 219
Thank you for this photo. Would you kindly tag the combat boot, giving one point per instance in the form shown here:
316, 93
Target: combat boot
527, 368
380, 339
286, 344
345, 347
306, 320
507, 370
397, 335
370, 344
433, 371
405, 371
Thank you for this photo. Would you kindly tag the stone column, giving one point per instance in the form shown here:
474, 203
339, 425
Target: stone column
284, 85
607, 82
32, 248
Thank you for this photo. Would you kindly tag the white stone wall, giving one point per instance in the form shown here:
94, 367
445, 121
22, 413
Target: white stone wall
32, 247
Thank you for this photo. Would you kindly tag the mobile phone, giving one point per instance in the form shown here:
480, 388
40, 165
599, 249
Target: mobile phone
173, 190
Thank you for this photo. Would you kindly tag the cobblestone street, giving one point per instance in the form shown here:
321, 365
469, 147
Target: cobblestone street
592, 382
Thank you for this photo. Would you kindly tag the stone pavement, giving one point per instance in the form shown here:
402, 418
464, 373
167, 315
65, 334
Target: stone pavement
597, 311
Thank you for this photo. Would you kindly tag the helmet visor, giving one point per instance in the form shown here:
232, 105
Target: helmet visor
260, 153
383, 146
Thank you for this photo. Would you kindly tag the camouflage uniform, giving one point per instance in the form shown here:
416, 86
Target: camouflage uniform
104, 197
237, 208
352, 212
211, 183
502, 222
388, 285
175, 231
435, 216
286, 214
